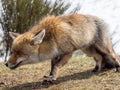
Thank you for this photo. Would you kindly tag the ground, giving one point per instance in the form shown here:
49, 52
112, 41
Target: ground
76, 75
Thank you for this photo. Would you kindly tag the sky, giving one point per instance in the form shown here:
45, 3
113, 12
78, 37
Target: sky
108, 10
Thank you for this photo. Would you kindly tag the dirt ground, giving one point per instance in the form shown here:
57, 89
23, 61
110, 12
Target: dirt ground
76, 75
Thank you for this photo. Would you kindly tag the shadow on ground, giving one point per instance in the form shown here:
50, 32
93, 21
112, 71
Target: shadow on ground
39, 85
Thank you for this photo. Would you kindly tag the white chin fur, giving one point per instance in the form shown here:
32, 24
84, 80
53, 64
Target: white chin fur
18, 62
11, 65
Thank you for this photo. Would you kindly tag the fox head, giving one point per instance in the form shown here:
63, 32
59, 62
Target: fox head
27, 48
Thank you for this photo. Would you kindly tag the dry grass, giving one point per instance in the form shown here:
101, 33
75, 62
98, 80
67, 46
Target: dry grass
76, 75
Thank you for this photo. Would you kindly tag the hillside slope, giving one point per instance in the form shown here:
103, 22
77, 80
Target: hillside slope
76, 75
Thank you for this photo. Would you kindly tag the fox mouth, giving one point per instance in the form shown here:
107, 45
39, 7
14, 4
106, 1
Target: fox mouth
16, 65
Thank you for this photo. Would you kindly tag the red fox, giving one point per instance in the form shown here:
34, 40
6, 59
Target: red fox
57, 37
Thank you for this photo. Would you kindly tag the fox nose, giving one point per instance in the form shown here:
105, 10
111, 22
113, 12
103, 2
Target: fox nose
6, 64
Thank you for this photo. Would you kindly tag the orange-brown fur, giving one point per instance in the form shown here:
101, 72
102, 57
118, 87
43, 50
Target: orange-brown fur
64, 35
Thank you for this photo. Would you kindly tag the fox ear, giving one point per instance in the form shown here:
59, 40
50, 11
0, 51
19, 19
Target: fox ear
13, 35
38, 38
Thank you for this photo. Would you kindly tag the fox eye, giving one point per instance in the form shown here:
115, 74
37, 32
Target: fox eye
17, 52
31, 43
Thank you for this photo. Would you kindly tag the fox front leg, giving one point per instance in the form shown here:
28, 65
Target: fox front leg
54, 70
56, 65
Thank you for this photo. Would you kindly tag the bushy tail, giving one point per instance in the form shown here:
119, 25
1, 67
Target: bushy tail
104, 36
103, 32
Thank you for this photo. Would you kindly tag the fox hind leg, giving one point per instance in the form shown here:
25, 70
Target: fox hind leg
99, 65
108, 51
91, 51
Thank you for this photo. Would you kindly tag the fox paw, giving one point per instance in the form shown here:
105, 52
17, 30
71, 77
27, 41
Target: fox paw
48, 80
118, 69
95, 69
